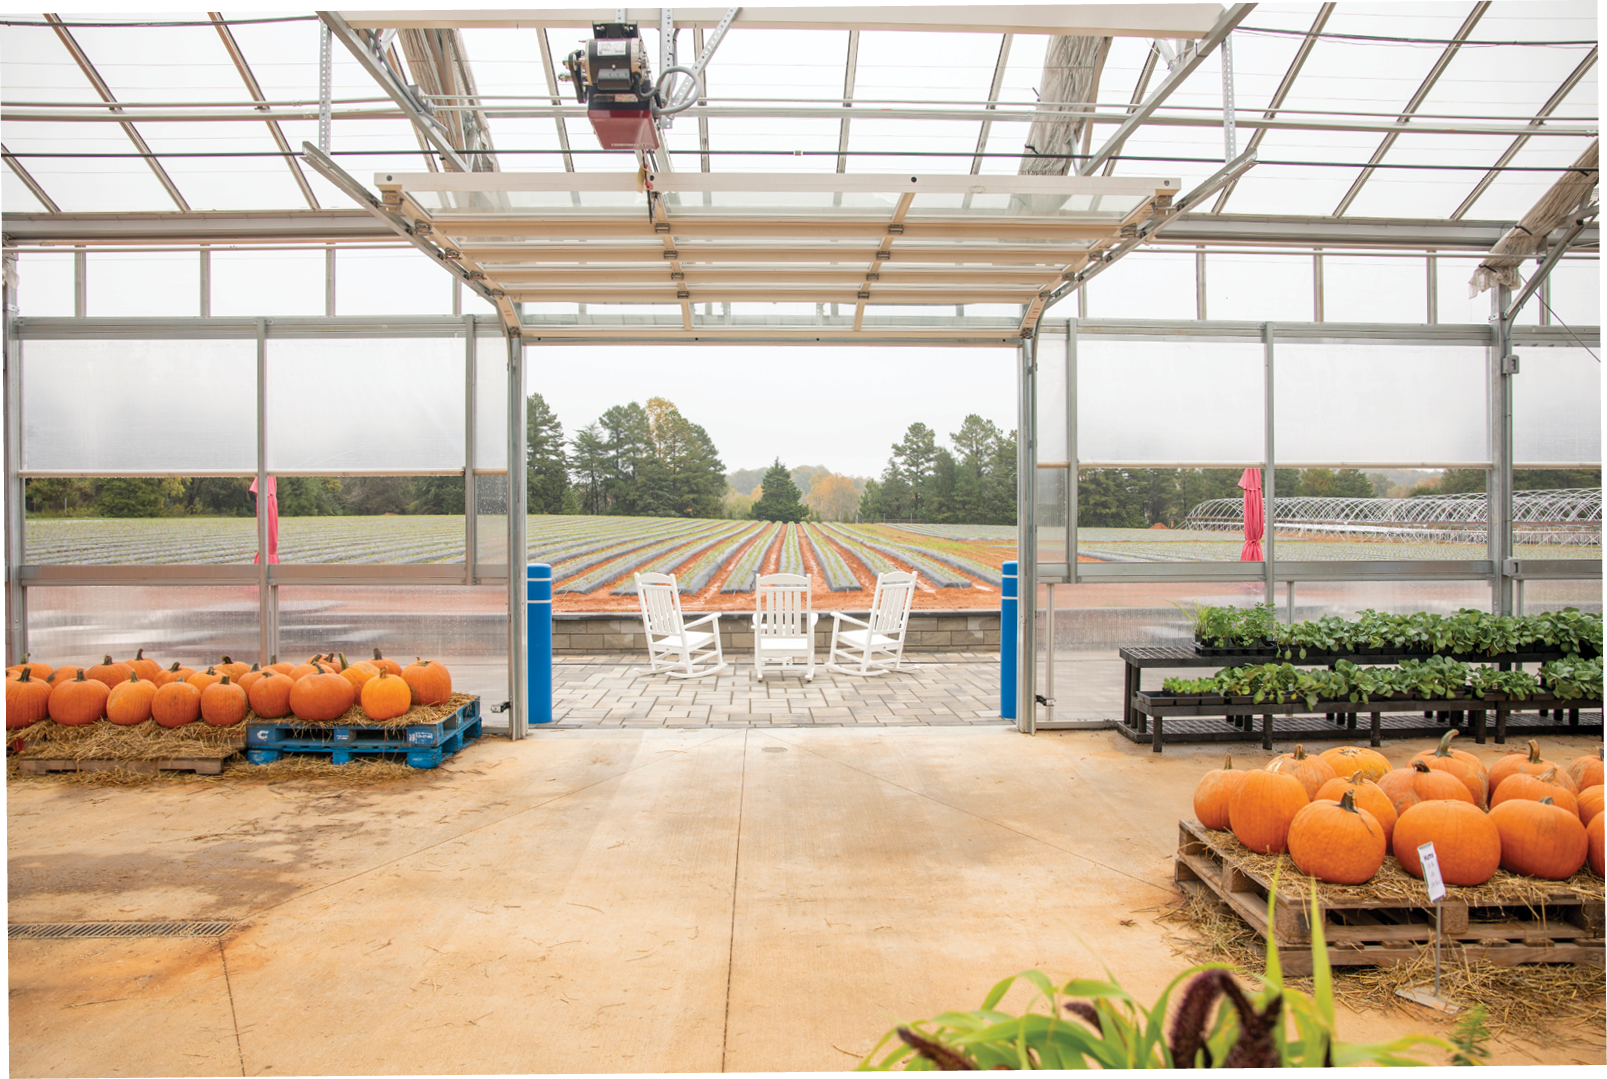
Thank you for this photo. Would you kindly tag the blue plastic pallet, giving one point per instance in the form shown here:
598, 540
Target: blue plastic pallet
425, 745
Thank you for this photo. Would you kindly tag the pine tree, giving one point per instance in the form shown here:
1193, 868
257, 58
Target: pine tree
780, 500
546, 468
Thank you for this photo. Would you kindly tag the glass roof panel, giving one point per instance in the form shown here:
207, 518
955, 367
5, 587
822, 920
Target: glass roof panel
117, 181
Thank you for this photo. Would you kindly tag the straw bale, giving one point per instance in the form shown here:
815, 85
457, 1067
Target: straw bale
105, 740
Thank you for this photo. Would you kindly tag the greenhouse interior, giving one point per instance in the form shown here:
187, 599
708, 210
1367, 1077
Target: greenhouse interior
1211, 676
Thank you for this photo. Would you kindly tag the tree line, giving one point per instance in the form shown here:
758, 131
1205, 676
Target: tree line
974, 483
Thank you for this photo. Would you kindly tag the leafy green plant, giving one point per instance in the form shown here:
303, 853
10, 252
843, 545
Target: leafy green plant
1434, 678
1274, 1027
1573, 679
1231, 627
1469, 1036
1517, 685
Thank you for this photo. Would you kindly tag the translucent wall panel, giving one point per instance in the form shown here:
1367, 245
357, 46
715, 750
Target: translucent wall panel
402, 282
192, 624
1258, 288
1144, 284
140, 541
491, 404
1538, 596
375, 537
1052, 514
1166, 402
1361, 404
466, 629
44, 283
1576, 292
250, 283
131, 406
338, 406
143, 283
1556, 408
491, 519
1052, 402
1374, 289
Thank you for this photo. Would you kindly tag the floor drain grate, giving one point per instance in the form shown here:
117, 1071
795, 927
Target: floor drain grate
76, 930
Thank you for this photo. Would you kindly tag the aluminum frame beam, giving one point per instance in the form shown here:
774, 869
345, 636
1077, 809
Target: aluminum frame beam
1171, 21
1414, 104
255, 90
1180, 72
106, 95
1552, 104
28, 181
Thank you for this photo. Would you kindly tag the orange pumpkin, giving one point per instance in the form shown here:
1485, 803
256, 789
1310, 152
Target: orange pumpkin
319, 698
65, 674
147, 669
27, 700
1593, 831
109, 672
202, 679
1590, 803
1214, 793
248, 679
1540, 839
1348, 760
1262, 808
130, 702
79, 701
1367, 795
357, 673
176, 704
1466, 842
1584, 771
275, 665
1406, 787
1529, 788
387, 664
233, 668
176, 673
1464, 766
302, 670
1336, 842
430, 681
223, 703
385, 697
1527, 763
1312, 772
39, 671
269, 695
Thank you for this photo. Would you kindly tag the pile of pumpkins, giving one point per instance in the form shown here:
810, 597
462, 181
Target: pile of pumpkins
140, 689
1339, 814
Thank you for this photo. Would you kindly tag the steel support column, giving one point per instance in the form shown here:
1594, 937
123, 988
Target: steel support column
471, 526
267, 594
1500, 482
518, 675
1269, 483
1071, 451
1027, 537
16, 595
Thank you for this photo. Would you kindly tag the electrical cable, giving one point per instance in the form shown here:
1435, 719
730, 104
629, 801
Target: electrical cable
1565, 326
1389, 39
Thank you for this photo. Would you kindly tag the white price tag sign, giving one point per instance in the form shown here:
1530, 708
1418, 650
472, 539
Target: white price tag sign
1431, 872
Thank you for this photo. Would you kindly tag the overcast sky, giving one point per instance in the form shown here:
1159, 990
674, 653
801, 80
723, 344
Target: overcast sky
838, 407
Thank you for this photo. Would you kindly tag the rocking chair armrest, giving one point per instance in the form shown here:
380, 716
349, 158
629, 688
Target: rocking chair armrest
708, 618
840, 617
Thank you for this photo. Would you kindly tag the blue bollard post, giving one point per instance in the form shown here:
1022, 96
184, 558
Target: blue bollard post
538, 639
1007, 644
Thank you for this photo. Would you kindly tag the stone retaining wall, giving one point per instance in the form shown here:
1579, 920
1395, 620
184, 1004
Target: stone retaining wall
929, 631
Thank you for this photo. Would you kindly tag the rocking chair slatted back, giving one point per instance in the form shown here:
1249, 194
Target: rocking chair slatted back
895, 592
784, 605
661, 603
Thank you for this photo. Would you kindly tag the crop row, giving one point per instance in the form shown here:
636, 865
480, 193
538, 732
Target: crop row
746, 571
615, 547
941, 576
791, 553
694, 577
672, 558
951, 559
874, 561
839, 578
613, 568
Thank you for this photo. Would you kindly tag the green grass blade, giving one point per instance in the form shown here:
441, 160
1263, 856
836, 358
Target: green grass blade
1322, 975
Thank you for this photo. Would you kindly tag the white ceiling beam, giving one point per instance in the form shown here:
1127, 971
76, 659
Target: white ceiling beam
232, 47
782, 182
1100, 20
850, 73
994, 89
1180, 72
28, 181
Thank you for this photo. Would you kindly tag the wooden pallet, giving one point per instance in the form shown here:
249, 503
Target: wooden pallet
203, 766
1361, 931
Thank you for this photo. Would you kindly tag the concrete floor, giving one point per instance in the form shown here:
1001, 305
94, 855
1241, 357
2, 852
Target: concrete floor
606, 901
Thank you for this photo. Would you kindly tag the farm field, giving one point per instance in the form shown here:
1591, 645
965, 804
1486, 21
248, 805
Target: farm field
715, 562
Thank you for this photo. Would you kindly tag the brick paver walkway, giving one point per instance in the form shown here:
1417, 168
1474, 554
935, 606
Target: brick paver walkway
934, 689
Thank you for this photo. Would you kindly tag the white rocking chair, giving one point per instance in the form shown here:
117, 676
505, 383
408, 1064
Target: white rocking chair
783, 623
675, 646
878, 645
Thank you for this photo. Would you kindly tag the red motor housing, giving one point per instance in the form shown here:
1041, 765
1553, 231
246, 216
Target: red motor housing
624, 129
